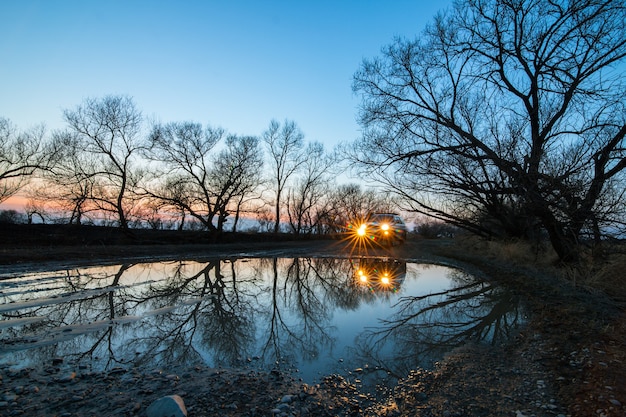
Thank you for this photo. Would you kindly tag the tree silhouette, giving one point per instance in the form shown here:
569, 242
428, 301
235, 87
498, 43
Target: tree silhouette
108, 131
505, 117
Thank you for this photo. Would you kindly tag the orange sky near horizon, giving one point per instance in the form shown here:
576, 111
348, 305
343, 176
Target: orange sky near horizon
16, 202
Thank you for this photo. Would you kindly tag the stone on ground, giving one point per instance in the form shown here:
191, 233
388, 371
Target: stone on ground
170, 406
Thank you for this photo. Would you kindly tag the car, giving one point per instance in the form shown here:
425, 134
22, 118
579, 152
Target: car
382, 228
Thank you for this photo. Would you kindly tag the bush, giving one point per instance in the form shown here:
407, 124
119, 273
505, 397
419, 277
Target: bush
434, 230
12, 217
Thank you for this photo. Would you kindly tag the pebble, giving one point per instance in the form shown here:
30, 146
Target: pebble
9, 397
231, 389
283, 407
169, 406
68, 378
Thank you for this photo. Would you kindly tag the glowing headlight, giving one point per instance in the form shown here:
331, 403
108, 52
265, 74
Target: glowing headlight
384, 227
385, 280
361, 230
362, 275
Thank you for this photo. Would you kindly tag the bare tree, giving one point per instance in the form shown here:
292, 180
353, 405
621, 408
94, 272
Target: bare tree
108, 129
349, 202
510, 109
35, 208
285, 144
69, 185
183, 155
22, 154
307, 195
236, 174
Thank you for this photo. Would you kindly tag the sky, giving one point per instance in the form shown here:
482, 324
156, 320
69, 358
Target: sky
230, 64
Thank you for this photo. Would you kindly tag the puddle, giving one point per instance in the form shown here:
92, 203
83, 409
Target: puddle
369, 319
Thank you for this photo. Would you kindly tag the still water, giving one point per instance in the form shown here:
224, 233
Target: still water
362, 317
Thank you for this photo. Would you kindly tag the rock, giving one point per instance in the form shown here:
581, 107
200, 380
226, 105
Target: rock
170, 406
68, 378
283, 407
9, 397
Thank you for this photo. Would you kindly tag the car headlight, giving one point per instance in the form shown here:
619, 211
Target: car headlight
362, 275
361, 230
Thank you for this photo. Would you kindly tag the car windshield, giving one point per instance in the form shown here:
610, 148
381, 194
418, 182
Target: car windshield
386, 218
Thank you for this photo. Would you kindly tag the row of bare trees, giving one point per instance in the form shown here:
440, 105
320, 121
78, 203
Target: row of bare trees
506, 118
104, 164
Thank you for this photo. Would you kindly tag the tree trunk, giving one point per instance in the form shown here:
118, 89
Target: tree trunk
563, 241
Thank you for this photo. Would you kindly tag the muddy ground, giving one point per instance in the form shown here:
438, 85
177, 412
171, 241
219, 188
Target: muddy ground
567, 361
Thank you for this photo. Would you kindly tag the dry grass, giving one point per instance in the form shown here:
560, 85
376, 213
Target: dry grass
605, 273
514, 252
609, 277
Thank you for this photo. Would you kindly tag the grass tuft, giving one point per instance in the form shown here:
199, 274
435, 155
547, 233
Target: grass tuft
601, 274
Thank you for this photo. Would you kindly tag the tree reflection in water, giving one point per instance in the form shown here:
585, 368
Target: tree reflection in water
210, 318
286, 313
425, 327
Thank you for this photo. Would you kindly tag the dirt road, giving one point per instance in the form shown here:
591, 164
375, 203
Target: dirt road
33, 258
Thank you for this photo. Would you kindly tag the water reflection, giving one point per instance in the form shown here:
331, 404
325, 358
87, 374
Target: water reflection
379, 274
425, 327
314, 316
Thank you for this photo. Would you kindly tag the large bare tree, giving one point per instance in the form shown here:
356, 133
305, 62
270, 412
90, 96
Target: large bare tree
236, 173
285, 144
109, 130
510, 110
207, 173
183, 155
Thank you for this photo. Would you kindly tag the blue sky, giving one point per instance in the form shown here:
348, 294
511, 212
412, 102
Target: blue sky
233, 64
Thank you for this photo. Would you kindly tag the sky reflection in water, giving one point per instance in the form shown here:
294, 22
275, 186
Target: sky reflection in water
313, 317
